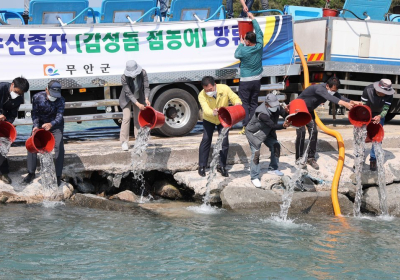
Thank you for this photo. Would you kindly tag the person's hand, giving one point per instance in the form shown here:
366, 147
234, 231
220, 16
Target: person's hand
246, 9
35, 129
287, 109
348, 105
287, 123
148, 102
242, 40
2, 117
250, 15
140, 106
356, 102
376, 119
215, 112
47, 126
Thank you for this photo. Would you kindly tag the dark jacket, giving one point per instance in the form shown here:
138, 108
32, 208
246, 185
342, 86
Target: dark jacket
263, 124
315, 95
8, 106
375, 102
128, 89
46, 111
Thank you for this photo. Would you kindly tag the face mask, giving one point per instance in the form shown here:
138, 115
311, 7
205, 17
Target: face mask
211, 93
273, 109
51, 98
13, 95
331, 92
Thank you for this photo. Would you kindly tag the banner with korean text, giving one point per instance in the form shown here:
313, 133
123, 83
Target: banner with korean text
38, 52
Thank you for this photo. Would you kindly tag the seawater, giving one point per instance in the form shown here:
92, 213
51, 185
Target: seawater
56, 241
141, 143
48, 175
380, 163
5, 145
359, 133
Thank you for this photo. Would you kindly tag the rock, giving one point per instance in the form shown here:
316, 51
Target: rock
250, 198
3, 199
127, 196
15, 198
85, 187
67, 190
117, 180
370, 178
94, 201
165, 189
370, 200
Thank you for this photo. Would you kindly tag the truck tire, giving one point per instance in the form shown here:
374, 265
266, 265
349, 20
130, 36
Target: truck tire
389, 117
181, 112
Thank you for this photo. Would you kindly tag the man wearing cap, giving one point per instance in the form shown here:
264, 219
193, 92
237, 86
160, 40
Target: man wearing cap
250, 51
11, 97
262, 129
135, 93
211, 98
48, 113
314, 96
378, 96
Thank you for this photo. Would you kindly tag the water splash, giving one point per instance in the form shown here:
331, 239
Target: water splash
359, 133
206, 209
48, 175
52, 204
213, 165
380, 161
5, 144
140, 146
295, 180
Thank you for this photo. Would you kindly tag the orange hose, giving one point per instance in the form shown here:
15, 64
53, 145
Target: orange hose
339, 138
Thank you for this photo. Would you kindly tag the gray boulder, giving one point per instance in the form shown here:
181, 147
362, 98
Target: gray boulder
370, 200
165, 189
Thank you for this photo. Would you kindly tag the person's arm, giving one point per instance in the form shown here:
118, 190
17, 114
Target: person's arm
126, 90
322, 91
35, 111
267, 120
233, 97
245, 8
341, 97
146, 87
238, 52
386, 107
60, 112
259, 33
204, 105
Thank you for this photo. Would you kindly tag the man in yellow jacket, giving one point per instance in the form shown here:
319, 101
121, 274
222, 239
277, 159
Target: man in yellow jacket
211, 98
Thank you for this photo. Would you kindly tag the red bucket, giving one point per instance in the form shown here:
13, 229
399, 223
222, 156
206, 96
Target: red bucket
375, 133
229, 116
330, 13
7, 130
151, 117
298, 113
360, 115
41, 141
244, 27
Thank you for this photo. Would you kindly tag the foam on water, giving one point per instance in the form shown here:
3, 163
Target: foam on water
52, 204
276, 220
140, 146
205, 209
214, 162
48, 175
359, 133
5, 145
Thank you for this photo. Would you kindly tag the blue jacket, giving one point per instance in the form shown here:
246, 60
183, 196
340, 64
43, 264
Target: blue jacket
8, 106
46, 111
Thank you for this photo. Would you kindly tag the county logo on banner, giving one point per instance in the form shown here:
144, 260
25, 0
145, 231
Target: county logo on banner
50, 70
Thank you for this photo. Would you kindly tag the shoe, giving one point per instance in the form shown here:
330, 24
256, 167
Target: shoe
243, 131
313, 163
125, 146
300, 164
372, 165
202, 171
256, 183
28, 179
275, 172
223, 171
5, 178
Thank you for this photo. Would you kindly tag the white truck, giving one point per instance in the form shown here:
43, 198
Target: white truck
89, 59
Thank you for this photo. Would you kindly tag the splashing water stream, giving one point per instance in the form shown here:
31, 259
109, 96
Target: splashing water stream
360, 133
48, 175
294, 181
380, 161
5, 145
214, 162
140, 146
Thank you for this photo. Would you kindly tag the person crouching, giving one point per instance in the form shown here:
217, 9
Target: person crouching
262, 129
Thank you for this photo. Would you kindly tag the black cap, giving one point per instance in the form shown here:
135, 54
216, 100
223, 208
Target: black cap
54, 88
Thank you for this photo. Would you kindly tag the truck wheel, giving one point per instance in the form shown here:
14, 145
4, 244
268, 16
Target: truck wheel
389, 117
180, 110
